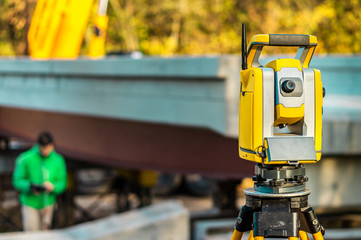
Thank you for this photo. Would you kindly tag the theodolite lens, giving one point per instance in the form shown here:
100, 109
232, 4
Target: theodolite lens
288, 86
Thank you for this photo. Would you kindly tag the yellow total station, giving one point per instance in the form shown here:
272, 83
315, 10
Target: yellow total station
280, 105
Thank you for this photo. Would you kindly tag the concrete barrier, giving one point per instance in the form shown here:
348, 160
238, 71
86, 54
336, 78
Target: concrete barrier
162, 221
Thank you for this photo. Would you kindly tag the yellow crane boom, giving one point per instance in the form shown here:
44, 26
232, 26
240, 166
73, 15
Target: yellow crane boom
58, 26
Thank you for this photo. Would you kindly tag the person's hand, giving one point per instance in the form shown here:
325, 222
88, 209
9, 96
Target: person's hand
49, 187
36, 189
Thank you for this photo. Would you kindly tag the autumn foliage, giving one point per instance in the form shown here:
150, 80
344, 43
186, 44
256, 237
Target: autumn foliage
164, 27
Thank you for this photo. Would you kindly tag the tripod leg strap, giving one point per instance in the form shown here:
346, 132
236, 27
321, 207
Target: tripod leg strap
237, 235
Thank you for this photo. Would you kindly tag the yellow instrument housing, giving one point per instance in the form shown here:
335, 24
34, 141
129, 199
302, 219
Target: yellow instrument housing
250, 121
288, 115
262, 109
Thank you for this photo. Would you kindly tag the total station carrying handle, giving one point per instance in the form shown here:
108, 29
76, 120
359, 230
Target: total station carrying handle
306, 44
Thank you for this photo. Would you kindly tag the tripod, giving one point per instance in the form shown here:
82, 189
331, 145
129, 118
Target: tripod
277, 206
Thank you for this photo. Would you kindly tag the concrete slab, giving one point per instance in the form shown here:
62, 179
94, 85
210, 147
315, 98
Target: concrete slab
162, 221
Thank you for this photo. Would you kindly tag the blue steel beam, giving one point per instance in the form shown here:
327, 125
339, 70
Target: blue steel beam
197, 92
203, 67
182, 91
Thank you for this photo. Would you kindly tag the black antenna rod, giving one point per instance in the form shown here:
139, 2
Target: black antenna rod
244, 47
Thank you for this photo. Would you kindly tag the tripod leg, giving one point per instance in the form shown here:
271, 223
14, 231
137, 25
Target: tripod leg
292, 238
258, 238
243, 223
237, 235
303, 235
317, 236
313, 224
250, 236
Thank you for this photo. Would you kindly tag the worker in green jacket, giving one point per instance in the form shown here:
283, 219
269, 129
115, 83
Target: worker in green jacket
40, 174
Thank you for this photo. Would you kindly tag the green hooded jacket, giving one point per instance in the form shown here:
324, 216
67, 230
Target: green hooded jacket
32, 168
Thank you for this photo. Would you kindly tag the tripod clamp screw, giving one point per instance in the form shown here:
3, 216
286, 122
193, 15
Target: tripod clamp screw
315, 222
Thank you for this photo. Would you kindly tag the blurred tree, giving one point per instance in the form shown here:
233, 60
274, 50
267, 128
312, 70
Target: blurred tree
14, 22
339, 24
203, 26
